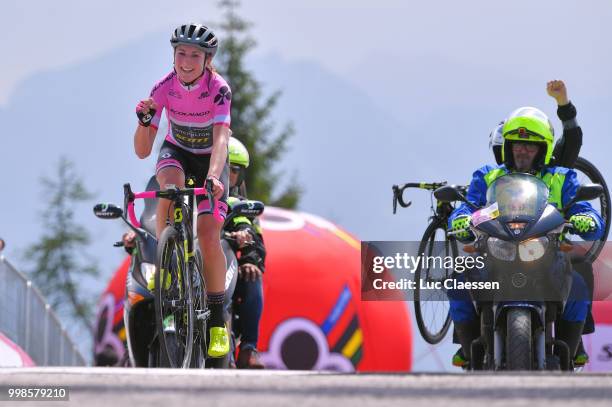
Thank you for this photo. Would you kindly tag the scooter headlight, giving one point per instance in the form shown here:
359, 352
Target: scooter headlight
532, 249
501, 249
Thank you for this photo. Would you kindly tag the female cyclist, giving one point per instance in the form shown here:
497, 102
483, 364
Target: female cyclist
197, 104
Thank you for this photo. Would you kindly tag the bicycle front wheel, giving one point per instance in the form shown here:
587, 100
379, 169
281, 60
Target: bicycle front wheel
174, 312
431, 307
201, 312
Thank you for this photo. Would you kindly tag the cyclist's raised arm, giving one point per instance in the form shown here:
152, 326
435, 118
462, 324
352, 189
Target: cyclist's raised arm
568, 146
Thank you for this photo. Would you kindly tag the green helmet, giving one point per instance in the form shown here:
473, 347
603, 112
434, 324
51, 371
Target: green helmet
528, 125
238, 154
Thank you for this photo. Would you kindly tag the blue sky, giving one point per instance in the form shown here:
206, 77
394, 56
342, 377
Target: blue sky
545, 37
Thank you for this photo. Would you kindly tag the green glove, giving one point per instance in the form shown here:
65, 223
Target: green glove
583, 223
461, 224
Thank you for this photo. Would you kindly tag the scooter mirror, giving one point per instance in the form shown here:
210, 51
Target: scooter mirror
248, 208
107, 211
586, 192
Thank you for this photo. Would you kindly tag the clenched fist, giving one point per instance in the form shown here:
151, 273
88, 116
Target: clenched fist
557, 90
145, 110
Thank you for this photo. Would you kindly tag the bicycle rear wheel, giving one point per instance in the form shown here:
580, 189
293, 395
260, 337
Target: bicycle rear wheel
173, 300
431, 307
587, 172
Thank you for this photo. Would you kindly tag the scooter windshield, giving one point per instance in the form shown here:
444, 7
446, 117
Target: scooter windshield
518, 195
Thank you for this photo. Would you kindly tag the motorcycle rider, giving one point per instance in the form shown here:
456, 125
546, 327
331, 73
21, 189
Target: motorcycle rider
251, 254
567, 150
527, 147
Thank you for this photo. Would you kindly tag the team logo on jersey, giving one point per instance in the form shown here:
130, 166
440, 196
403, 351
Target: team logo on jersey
166, 79
165, 155
224, 94
174, 93
192, 114
203, 95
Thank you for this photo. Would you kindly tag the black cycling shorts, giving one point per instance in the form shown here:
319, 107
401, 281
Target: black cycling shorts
195, 165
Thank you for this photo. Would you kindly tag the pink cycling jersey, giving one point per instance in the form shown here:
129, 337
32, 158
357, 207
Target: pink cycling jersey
192, 111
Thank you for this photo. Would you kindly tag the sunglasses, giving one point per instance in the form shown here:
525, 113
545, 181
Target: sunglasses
529, 147
235, 169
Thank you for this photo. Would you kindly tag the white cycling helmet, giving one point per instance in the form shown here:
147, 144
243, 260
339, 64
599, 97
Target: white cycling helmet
496, 141
197, 35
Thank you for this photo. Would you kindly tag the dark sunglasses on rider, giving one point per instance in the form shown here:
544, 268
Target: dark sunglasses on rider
529, 147
235, 169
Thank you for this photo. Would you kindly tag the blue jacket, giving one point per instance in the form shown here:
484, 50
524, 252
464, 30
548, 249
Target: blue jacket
477, 191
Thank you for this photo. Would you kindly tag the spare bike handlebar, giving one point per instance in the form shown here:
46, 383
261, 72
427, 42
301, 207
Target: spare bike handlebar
398, 192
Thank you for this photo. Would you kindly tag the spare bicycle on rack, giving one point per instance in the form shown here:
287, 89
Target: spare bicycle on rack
432, 313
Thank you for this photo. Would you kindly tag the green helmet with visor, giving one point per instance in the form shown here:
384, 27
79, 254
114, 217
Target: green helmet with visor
528, 125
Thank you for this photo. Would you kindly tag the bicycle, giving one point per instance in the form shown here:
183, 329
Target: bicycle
432, 330
145, 319
179, 293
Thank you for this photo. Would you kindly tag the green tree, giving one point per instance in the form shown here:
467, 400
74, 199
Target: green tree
58, 258
251, 112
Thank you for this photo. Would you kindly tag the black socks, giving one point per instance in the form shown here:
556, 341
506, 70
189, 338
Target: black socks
215, 305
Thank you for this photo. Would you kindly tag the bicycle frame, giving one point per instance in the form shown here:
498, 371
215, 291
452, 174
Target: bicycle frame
139, 298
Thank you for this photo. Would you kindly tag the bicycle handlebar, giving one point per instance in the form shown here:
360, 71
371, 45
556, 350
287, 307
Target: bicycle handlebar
398, 192
171, 193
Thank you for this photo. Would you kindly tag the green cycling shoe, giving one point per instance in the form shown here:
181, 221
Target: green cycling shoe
219, 342
582, 357
459, 359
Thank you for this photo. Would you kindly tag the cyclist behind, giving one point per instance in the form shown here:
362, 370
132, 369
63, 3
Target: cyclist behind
527, 147
568, 146
251, 253
197, 103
